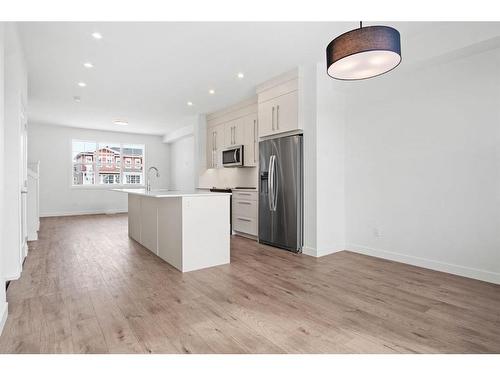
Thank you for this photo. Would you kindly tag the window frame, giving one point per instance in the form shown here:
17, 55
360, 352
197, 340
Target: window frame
96, 184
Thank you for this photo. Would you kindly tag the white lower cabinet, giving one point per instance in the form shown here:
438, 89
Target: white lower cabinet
245, 212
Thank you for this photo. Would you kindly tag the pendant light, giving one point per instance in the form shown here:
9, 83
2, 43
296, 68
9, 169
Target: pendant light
363, 53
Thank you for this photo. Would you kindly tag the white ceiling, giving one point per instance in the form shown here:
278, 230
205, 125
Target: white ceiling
145, 73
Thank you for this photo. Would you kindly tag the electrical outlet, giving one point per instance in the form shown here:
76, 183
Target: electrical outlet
376, 232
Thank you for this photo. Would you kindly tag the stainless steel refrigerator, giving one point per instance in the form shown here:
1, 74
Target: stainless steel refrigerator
281, 192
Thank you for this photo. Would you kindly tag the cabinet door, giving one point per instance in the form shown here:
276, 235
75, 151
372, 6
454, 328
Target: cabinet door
266, 118
239, 131
220, 144
287, 116
250, 142
210, 148
228, 133
134, 217
234, 133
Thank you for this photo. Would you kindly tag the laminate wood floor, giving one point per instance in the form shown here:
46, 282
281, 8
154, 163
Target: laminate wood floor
88, 288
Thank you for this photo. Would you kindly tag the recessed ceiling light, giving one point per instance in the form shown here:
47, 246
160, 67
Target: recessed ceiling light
211, 91
190, 104
97, 35
88, 65
77, 99
240, 75
82, 84
121, 122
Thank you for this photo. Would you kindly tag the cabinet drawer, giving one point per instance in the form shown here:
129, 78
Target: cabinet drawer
245, 195
245, 208
245, 225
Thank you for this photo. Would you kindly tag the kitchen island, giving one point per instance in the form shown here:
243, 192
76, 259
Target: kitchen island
189, 230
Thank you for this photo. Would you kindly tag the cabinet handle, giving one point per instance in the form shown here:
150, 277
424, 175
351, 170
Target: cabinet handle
247, 203
243, 219
244, 194
278, 117
272, 118
254, 141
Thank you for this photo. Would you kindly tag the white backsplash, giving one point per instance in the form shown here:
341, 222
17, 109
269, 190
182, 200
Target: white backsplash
228, 177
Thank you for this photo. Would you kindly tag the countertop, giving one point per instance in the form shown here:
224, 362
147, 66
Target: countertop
163, 193
232, 188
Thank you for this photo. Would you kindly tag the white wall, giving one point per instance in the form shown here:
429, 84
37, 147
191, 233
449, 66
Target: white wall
330, 164
52, 146
307, 121
423, 166
3, 300
182, 164
15, 97
322, 114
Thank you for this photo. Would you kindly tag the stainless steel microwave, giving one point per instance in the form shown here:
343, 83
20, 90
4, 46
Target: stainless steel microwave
233, 157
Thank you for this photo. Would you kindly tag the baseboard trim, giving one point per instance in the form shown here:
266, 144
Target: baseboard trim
245, 235
318, 253
309, 251
12, 277
455, 269
79, 213
4, 312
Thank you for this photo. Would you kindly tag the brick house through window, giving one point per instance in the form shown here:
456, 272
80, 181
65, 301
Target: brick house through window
101, 164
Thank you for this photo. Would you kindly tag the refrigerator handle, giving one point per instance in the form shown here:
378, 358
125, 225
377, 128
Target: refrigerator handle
270, 184
275, 185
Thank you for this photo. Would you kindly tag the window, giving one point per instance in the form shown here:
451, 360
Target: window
97, 163
133, 178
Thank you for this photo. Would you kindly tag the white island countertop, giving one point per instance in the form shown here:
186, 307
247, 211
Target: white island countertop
164, 193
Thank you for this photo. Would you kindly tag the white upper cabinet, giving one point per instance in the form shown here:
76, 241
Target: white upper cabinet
234, 132
210, 146
278, 105
266, 118
251, 141
234, 126
215, 145
287, 112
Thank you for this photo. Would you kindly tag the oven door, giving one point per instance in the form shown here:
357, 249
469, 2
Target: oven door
233, 157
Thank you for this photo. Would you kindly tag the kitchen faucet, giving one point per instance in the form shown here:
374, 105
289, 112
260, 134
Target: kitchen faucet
148, 183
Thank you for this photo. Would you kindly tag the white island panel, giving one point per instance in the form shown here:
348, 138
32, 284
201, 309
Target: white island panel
149, 223
134, 217
205, 232
170, 231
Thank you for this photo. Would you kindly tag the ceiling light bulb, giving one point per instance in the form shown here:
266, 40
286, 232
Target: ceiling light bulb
211, 92
88, 65
121, 122
97, 35
241, 75
190, 103
82, 84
